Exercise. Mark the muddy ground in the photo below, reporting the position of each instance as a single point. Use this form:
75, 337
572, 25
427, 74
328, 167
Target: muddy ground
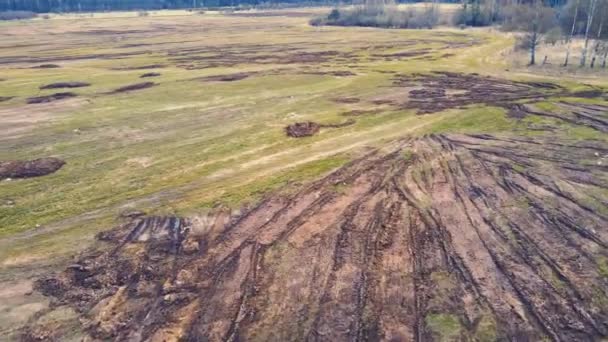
445, 237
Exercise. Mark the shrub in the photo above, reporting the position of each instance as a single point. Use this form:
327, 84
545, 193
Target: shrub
380, 16
142, 14
17, 15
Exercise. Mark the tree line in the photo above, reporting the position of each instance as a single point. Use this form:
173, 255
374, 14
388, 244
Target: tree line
46, 6
549, 22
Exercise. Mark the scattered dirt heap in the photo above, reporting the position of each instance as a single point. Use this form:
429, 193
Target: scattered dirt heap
132, 87
150, 74
50, 98
448, 237
439, 91
308, 128
227, 78
141, 67
46, 66
29, 168
302, 129
65, 85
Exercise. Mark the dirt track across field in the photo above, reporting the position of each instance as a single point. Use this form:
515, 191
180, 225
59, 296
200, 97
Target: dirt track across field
447, 236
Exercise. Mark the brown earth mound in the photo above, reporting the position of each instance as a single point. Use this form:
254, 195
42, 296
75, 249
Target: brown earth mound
448, 237
50, 98
65, 85
302, 129
141, 67
150, 74
29, 168
132, 87
46, 66
226, 78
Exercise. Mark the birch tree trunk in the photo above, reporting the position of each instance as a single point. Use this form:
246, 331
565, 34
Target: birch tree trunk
590, 16
597, 44
569, 42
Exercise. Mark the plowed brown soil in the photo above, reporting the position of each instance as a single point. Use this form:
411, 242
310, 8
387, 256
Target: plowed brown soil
446, 237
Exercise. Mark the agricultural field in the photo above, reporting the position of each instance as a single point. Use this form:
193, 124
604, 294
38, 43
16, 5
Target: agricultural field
223, 176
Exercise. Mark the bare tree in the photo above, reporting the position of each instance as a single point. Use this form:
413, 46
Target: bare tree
597, 43
569, 41
590, 15
536, 21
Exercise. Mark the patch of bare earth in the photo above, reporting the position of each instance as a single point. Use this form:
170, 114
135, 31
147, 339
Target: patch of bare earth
309, 128
508, 236
438, 91
29, 168
50, 98
72, 84
133, 87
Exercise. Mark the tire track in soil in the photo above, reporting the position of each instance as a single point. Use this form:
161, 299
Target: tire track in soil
476, 229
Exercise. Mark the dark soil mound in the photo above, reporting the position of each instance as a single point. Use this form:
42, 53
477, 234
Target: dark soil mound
133, 87
141, 67
226, 78
65, 85
50, 98
6, 98
30, 168
447, 237
302, 129
150, 74
46, 66
516, 111
427, 93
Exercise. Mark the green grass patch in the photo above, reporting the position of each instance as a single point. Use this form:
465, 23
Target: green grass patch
446, 327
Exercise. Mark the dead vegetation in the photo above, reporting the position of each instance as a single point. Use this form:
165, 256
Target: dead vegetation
73, 84
50, 98
29, 168
502, 238
133, 87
